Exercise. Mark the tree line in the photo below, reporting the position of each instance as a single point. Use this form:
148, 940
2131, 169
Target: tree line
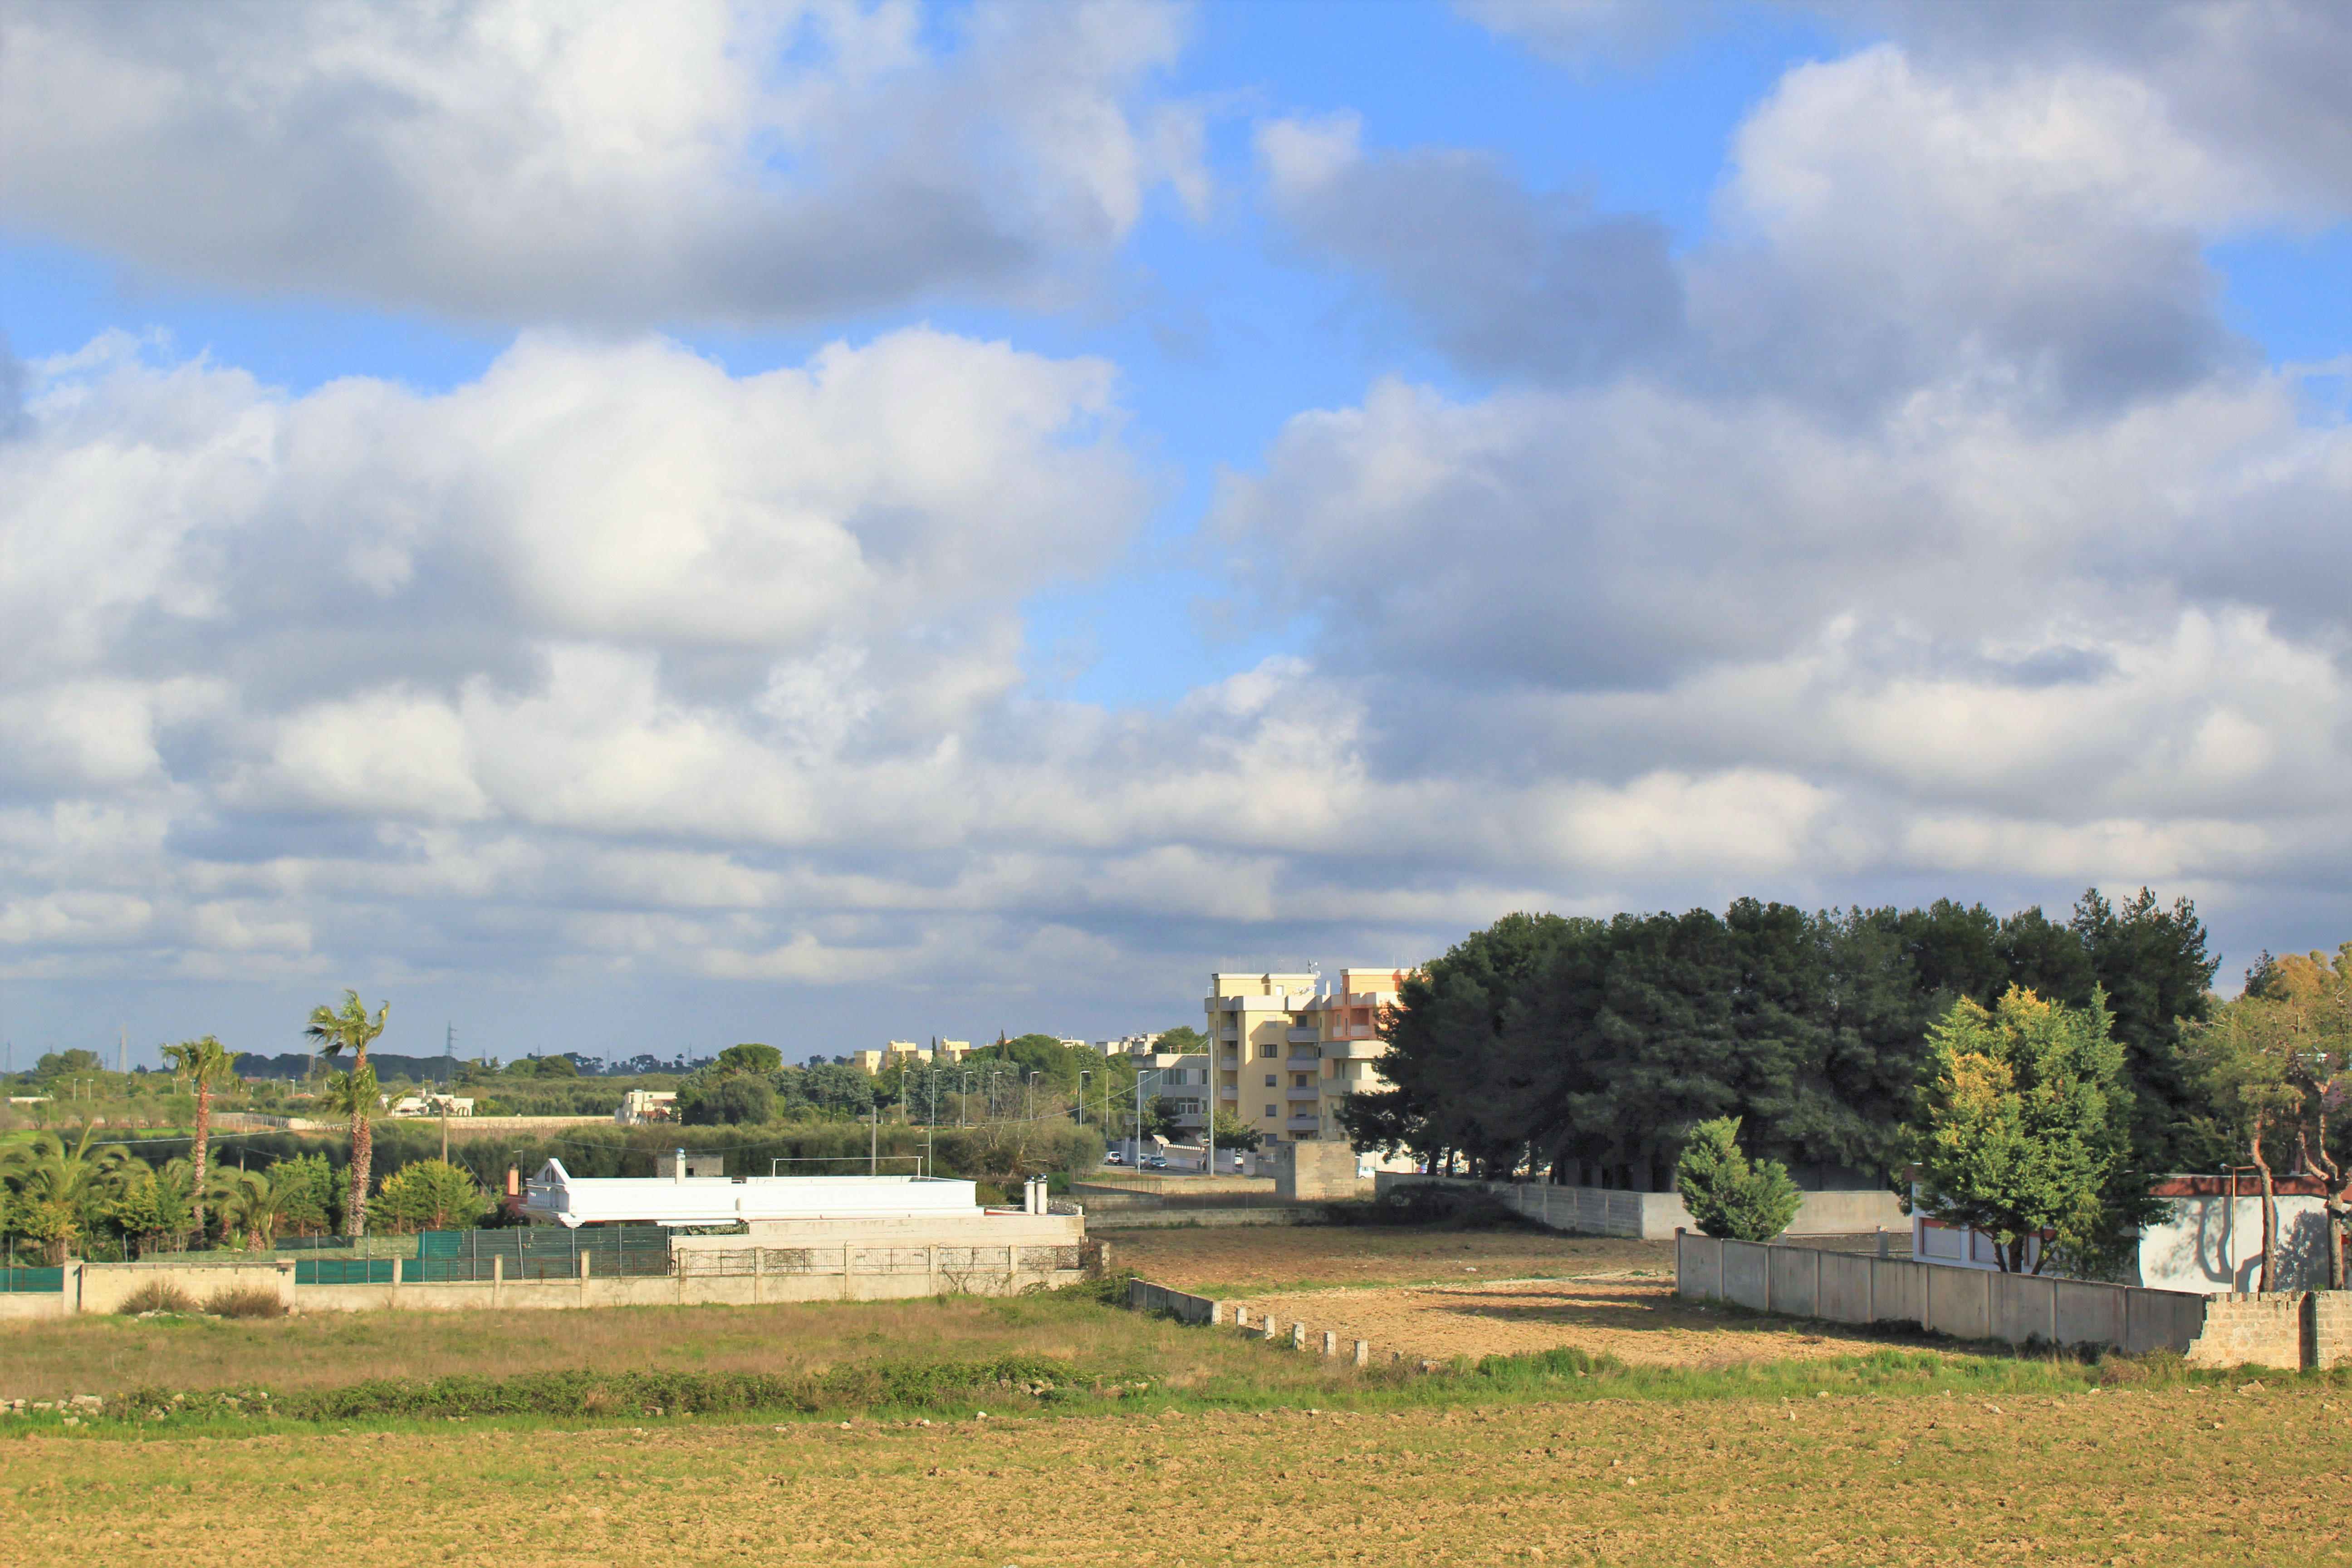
1587, 1050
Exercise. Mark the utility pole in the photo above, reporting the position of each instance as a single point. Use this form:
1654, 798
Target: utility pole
1216, 1092
874, 1139
1138, 1145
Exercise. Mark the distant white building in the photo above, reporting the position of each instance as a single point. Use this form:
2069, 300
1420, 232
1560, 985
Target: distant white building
1125, 1046
640, 1106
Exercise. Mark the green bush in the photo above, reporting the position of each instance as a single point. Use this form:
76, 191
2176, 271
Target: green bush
1729, 1196
429, 1194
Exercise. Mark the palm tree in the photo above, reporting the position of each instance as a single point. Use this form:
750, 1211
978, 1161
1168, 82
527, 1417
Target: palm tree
355, 1094
205, 1061
250, 1202
63, 1186
349, 1028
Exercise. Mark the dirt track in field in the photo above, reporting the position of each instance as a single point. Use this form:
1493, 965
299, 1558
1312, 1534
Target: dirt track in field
2181, 1477
1639, 1321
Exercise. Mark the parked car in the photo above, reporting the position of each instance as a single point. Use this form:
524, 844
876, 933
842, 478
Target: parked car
1114, 1158
1155, 1162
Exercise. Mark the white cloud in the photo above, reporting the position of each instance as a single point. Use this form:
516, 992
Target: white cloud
630, 164
1943, 539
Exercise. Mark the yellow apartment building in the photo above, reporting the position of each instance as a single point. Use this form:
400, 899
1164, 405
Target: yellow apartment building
1289, 1047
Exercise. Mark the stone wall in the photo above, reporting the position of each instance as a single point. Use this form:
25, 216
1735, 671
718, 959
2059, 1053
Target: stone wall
2289, 1329
1315, 1172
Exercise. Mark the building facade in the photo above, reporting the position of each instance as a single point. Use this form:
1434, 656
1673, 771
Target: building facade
1291, 1047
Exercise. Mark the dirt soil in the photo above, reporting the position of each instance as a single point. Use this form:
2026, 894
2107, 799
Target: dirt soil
2188, 1476
1639, 1321
1275, 1258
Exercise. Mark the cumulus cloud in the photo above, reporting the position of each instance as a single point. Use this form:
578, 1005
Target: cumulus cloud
1884, 229
1504, 280
1919, 530
628, 164
2018, 194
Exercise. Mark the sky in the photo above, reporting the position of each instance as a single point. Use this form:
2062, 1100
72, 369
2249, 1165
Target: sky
632, 528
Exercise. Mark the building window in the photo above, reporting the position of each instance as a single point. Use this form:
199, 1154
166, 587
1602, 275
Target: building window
1269, 1080
1265, 1050
1271, 1113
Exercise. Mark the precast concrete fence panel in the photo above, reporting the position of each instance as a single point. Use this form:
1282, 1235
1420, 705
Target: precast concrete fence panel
1845, 1295
1966, 1303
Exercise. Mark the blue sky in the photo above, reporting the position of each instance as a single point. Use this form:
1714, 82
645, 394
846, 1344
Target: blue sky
1165, 484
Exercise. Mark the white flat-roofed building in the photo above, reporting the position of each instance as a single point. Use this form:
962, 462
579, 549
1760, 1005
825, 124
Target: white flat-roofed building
813, 1237
557, 1196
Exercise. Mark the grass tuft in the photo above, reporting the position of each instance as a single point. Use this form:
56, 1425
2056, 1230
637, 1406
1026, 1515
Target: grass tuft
157, 1296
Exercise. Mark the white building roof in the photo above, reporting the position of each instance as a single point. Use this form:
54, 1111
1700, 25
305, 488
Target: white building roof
555, 1194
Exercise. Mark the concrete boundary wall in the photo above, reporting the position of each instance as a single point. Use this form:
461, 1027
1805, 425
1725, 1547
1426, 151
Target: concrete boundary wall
1966, 1303
870, 1274
1207, 1219
1655, 1216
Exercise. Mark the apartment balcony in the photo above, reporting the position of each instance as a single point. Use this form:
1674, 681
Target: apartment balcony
1311, 1091
1355, 1050
1227, 1091
1297, 1056
1303, 1125
1228, 1032
1302, 1033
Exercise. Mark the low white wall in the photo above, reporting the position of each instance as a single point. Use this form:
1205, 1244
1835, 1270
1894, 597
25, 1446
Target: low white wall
1656, 1216
785, 1260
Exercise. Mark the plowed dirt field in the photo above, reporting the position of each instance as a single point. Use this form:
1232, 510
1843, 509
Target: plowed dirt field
1639, 1321
2181, 1477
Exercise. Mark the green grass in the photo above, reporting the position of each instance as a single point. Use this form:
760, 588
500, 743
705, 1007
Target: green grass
1068, 1353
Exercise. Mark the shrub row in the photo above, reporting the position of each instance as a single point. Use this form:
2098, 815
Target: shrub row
901, 1383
